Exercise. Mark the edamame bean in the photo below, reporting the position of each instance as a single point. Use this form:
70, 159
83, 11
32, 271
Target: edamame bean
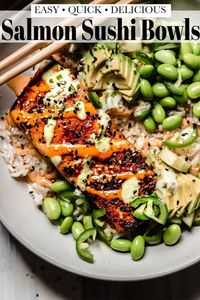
77, 228
52, 208
172, 234
137, 247
192, 61
196, 76
195, 48
186, 73
165, 56
168, 71
146, 71
146, 89
184, 49
66, 208
61, 186
172, 122
66, 225
181, 99
87, 222
158, 113
141, 110
193, 90
168, 102
121, 245
149, 124
196, 109
160, 90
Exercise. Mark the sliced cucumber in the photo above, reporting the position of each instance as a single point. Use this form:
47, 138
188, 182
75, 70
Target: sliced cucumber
173, 160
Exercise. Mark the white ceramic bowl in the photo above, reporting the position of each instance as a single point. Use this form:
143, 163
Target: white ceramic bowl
31, 227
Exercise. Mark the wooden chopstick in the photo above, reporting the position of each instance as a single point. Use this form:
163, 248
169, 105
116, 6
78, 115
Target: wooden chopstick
40, 55
20, 54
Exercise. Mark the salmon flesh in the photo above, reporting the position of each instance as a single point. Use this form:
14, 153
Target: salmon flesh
84, 144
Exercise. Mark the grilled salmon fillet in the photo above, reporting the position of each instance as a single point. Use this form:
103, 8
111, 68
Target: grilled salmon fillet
83, 144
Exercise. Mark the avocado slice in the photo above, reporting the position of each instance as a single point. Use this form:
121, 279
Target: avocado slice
184, 195
94, 60
119, 70
129, 93
126, 47
188, 219
112, 65
173, 160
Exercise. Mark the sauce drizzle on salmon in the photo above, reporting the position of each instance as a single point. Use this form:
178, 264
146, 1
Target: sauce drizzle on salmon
84, 144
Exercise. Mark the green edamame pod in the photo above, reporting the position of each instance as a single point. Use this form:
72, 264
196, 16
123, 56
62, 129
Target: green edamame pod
66, 225
192, 61
172, 122
158, 113
66, 208
196, 76
193, 90
172, 234
52, 208
137, 247
168, 102
146, 89
160, 90
186, 73
196, 109
61, 186
77, 228
146, 71
121, 245
168, 71
165, 56
149, 124
141, 110
87, 222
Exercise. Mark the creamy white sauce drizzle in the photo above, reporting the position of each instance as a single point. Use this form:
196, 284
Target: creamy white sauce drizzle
81, 180
56, 160
166, 183
103, 144
49, 131
62, 85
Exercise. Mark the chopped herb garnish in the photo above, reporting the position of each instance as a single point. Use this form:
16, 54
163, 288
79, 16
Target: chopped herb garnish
59, 77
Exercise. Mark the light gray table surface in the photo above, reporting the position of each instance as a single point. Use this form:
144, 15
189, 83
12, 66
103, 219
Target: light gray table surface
24, 276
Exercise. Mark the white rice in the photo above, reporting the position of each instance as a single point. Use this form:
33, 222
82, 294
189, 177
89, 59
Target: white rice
20, 165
